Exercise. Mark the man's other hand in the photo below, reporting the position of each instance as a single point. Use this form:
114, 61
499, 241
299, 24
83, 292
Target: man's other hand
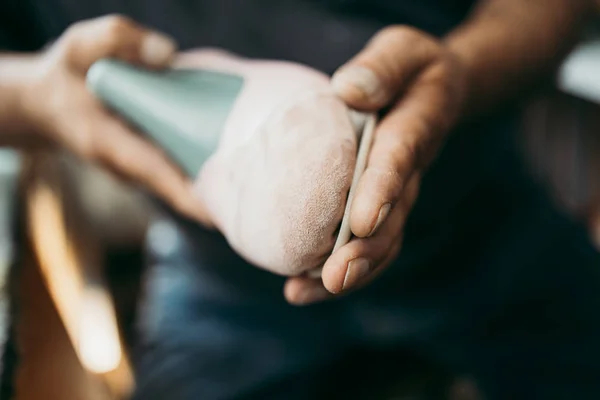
59, 108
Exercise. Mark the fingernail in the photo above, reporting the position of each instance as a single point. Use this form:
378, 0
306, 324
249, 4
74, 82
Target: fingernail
356, 271
383, 213
312, 295
357, 78
157, 49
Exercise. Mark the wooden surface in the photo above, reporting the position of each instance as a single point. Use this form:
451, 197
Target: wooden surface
61, 256
49, 367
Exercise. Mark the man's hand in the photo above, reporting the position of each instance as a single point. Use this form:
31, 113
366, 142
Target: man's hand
58, 108
501, 49
423, 85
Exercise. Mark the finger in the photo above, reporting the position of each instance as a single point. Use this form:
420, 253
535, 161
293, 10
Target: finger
375, 76
110, 142
143, 163
404, 144
302, 291
116, 36
391, 255
359, 258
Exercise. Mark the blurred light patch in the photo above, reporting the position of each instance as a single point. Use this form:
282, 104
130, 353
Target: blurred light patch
99, 343
86, 309
579, 74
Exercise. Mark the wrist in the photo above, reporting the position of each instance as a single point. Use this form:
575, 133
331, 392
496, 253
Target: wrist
459, 51
17, 73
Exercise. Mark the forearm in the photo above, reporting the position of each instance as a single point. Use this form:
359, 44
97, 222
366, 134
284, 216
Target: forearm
16, 70
509, 45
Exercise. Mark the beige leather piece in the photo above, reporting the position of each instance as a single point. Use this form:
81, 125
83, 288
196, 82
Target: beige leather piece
277, 185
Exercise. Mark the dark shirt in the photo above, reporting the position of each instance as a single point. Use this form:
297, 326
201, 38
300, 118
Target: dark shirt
320, 33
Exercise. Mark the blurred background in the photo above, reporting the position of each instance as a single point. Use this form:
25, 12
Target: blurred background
561, 139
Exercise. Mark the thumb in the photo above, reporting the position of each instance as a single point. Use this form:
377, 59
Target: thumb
374, 77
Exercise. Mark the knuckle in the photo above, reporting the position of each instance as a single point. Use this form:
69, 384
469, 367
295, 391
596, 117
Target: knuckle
410, 152
404, 31
120, 156
150, 167
181, 204
116, 23
106, 33
410, 36
395, 180
400, 34
388, 176
75, 29
354, 253
84, 144
115, 28
440, 74
128, 158
69, 39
